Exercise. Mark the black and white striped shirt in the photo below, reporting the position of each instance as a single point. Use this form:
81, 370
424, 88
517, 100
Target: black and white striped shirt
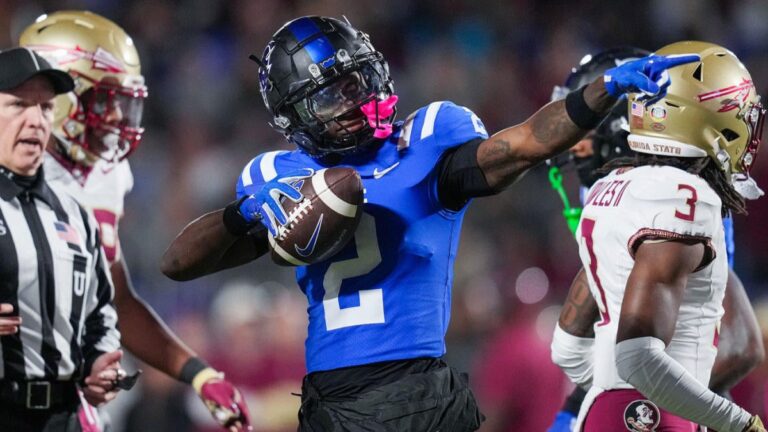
53, 271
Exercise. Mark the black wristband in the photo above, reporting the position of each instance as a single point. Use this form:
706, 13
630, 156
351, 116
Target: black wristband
192, 367
234, 221
579, 112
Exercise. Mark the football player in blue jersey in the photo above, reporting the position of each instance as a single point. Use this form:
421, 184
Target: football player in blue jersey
379, 309
740, 346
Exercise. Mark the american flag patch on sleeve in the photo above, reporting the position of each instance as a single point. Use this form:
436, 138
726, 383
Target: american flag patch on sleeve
637, 109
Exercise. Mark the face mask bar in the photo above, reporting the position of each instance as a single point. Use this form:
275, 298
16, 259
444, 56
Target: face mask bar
341, 101
338, 98
341, 97
754, 116
115, 112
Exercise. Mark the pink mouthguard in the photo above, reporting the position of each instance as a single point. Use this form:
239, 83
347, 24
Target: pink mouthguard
377, 110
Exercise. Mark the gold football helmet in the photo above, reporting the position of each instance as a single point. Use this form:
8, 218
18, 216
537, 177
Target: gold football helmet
711, 109
101, 118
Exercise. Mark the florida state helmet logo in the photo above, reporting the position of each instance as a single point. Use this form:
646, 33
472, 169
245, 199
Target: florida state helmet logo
642, 416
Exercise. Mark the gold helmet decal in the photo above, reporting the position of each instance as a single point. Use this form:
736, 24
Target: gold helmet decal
101, 118
711, 109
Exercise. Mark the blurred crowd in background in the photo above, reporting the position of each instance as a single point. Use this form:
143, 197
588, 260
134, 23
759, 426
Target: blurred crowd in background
205, 120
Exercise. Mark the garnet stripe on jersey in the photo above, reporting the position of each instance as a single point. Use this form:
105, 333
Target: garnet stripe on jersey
587, 228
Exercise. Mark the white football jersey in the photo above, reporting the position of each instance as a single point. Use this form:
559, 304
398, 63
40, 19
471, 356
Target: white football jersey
101, 190
653, 203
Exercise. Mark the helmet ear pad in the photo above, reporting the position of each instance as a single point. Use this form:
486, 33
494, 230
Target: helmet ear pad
301, 74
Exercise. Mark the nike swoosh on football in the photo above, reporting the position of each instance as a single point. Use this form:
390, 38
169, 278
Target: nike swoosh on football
379, 174
310, 247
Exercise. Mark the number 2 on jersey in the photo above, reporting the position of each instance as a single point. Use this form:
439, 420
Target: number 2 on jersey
587, 229
371, 307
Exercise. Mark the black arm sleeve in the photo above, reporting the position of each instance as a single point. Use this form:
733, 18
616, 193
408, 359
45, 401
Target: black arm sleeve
459, 176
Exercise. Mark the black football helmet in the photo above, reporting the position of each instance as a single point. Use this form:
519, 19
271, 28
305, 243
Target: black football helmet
327, 88
609, 140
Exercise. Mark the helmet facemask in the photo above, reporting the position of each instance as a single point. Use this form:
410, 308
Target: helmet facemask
349, 111
745, 185
108, 118
329, 90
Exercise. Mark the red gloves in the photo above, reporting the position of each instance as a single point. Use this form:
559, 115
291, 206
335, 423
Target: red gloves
223, 400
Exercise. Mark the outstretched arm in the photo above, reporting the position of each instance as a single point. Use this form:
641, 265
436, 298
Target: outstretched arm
509, 153
741, 344
559, 125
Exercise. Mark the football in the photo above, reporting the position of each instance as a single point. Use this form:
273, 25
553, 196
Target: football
323, 221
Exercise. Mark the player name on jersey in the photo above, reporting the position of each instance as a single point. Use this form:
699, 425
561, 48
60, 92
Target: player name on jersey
607, 193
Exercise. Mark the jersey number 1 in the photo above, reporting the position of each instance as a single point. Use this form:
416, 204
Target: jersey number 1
371, 307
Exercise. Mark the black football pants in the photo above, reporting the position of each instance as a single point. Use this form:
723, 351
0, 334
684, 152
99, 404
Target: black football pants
435, 401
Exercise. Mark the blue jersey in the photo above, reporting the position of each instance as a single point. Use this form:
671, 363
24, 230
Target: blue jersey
387, 294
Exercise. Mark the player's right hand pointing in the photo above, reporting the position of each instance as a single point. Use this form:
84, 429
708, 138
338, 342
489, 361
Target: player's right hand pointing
647, 75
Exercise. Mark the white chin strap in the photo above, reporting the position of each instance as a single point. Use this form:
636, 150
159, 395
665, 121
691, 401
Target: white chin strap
746, 186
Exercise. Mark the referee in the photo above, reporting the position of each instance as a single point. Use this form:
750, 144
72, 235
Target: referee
57, 323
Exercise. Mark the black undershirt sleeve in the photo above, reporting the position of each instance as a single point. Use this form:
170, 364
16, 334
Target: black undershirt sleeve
460, 177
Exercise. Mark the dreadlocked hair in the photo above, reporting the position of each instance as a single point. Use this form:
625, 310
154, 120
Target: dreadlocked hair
703, 167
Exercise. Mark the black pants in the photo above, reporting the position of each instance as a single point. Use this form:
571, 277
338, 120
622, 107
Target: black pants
58, 401
61, 419
438, 399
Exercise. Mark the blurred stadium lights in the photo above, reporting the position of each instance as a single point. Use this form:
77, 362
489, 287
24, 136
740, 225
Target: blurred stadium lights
532, 285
